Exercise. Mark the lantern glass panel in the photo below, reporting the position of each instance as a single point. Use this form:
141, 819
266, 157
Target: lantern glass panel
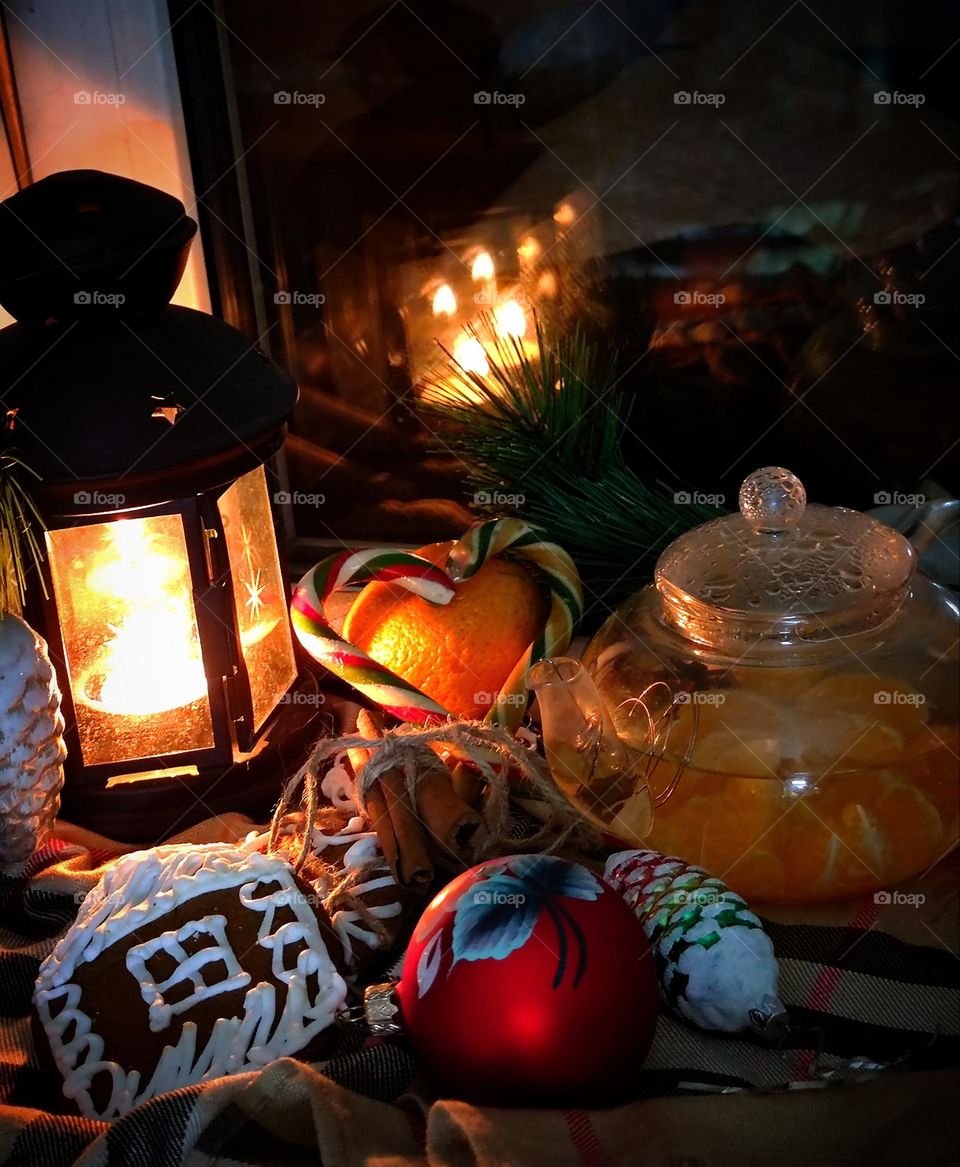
125, 604
258, 592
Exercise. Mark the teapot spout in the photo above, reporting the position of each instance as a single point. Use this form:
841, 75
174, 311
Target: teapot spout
579, 738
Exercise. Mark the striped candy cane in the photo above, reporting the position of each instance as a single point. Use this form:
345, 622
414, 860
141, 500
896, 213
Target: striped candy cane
522, 541
465, 559
373, 680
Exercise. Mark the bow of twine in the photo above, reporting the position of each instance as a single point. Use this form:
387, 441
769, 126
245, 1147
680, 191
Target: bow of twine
407, 748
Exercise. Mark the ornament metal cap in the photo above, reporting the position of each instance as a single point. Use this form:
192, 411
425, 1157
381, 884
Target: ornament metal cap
770, 1019
382, 1010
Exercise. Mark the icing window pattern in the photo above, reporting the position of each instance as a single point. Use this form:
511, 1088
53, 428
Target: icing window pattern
190, 967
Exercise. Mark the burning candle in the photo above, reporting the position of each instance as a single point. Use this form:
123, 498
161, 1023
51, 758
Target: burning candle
151, 661
565, 215
444, 301
469, 353
483, 272
482, 268
547, 285
529, 251
510, 319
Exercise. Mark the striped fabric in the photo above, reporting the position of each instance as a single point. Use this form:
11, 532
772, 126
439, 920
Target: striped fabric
865, 983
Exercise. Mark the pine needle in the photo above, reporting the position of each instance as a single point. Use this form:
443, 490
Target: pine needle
20, 551
546, 431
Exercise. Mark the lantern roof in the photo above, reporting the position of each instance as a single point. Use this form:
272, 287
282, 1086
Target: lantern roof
104, 383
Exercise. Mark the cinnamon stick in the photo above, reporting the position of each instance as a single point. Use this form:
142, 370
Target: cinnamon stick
467, 783
454, 829
414, 869
392, 816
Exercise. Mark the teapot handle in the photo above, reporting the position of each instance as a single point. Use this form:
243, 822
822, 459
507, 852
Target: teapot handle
928, 522
933, 528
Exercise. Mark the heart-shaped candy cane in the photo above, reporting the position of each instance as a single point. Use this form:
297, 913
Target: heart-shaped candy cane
466, 557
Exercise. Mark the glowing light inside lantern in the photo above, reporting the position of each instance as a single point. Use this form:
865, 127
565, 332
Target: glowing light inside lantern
565, 215
510, 319
151, 661
444, 301
468, 353
482, 268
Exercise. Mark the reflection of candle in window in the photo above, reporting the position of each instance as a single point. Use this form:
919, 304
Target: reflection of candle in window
468, 353
528, 252
510, 319
482, 272
482, 268
547, 285
444, 301
565, 215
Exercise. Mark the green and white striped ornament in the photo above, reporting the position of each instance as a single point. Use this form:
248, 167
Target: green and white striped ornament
715, 963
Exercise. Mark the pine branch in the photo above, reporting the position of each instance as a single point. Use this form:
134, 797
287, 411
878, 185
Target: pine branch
20, 550
547, 430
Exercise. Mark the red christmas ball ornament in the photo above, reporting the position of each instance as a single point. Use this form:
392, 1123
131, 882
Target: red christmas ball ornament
529, 981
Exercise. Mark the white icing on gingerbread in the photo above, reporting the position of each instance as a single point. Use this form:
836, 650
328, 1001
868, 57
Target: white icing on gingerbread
337, 785
145, 886
363, 854
188, 968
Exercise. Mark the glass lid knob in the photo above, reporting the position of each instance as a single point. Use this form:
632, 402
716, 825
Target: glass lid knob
772, 500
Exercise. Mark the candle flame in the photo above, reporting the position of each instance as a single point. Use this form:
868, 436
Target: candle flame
547, 285
529, 251
469, 354
482, 268
152, 661
510, 319
565, 215
444, 301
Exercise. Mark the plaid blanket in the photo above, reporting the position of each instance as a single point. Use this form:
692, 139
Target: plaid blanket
869, 985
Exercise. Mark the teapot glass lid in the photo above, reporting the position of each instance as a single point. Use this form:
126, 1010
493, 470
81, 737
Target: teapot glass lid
799, 570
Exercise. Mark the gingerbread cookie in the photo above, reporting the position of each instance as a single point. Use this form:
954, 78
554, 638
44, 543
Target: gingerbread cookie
369, 912
186, 963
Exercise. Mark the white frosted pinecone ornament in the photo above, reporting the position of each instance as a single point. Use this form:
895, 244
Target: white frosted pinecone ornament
715, 963
31, 740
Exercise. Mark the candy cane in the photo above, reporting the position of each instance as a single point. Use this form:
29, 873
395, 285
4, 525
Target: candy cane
389, 691
494, 537
418, 575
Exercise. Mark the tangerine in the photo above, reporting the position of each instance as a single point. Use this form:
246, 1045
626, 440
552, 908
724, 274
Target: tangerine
460, 653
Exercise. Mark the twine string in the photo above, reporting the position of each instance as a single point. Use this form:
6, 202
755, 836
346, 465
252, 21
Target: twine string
408, 748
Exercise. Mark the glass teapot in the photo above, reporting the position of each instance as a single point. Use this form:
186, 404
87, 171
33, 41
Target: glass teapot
780, 706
